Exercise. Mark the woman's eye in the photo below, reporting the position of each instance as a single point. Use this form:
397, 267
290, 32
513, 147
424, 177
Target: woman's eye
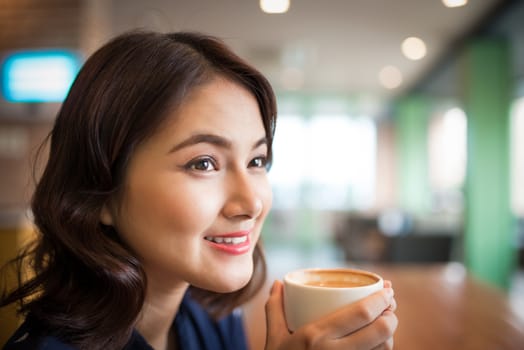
258, 162
202, 164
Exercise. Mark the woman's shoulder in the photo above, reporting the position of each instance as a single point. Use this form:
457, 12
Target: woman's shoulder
40, 343
196, 329
29, 336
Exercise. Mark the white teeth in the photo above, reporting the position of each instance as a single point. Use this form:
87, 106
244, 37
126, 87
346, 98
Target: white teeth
227, 240
237, 240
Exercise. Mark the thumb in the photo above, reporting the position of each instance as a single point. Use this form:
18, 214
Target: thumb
275, 318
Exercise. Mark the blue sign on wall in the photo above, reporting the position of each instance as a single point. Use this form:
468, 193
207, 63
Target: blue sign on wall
38, 76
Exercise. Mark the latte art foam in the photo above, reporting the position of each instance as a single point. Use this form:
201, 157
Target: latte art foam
335, 278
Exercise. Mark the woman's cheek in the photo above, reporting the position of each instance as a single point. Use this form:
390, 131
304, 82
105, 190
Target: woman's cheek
195, 205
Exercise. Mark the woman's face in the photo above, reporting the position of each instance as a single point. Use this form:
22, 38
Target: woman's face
196, 193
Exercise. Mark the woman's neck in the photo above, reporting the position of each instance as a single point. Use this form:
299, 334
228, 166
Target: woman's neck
157, 315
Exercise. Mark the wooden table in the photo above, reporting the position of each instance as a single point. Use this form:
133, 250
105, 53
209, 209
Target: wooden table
439, 307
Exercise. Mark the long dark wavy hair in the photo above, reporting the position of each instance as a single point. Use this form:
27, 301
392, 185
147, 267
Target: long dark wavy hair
86, 285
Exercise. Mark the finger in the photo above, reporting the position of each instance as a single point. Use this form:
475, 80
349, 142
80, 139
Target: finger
357, 315
388, 345
393, 305
388, 284
378, 334
275, 319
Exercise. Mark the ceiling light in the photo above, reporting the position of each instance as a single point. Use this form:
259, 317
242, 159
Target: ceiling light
390, 77
454, 3
274, 6
414, 48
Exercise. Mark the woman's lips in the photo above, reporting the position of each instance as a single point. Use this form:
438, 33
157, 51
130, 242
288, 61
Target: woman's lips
232, 243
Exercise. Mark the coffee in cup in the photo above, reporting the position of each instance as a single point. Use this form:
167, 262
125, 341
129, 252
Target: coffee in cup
312, 293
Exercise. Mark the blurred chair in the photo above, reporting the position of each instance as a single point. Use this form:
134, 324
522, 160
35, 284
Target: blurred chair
419, 248
362, 240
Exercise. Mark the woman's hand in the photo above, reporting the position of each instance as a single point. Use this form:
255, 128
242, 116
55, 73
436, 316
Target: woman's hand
365, 325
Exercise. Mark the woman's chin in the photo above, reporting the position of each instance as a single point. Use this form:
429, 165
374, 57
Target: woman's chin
230, 283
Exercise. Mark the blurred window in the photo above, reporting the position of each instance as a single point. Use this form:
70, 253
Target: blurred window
447, 145
447, 149
517, 157
324, 162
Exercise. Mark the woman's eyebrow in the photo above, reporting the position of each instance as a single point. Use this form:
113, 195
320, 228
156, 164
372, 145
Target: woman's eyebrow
202, 138
211, 139
262, 141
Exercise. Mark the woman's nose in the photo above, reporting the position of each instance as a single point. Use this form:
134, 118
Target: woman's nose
243, 196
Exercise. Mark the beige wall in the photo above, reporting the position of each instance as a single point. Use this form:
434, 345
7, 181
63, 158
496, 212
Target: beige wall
19, 141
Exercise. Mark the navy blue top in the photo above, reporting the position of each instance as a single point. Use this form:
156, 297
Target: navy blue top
194, 328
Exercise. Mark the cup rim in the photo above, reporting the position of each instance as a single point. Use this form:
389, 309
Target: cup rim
290, 280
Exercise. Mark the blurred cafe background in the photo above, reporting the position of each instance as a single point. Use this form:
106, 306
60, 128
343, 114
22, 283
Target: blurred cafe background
400, 138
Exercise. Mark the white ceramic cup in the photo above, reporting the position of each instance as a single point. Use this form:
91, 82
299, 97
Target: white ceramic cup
310, 294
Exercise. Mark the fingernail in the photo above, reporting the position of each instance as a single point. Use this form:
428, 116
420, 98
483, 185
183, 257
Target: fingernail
273, 286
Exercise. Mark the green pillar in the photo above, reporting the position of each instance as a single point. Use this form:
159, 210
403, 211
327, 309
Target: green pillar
489, 252
412, 115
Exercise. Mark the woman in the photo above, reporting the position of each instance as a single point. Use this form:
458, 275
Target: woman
150, 208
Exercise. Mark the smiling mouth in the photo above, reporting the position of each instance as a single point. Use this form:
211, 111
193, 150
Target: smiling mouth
233, 243
227, 240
